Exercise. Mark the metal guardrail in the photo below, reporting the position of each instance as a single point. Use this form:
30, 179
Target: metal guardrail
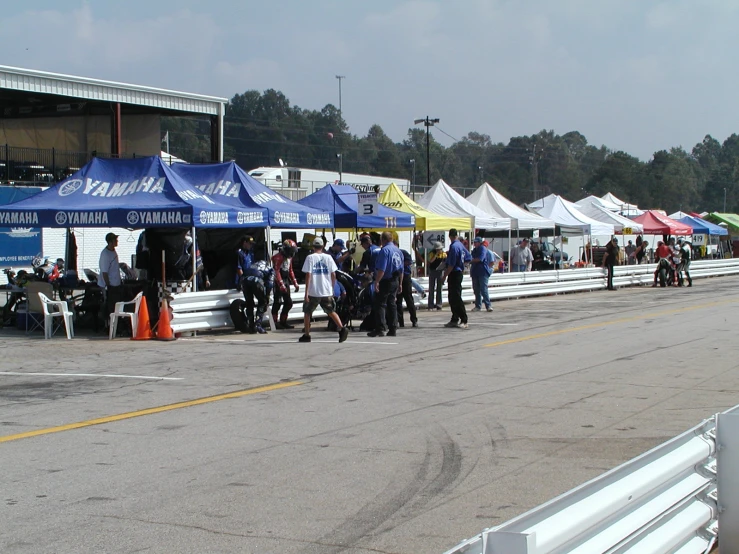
201, 311
662, 502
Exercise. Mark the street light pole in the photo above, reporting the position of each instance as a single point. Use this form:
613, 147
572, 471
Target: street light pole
428, 122
413, 178
341, 142
724, 199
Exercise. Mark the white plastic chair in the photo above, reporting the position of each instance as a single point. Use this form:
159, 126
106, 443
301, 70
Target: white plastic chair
120, 311
56, 308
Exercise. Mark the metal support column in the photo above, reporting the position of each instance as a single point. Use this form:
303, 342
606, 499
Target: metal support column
115, 131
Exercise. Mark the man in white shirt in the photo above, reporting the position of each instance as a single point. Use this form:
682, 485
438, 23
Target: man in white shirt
110, 274
319, 269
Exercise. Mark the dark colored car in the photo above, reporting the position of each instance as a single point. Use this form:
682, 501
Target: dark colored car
548, 256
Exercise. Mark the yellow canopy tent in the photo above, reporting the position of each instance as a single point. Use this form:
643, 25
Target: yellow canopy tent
426, 220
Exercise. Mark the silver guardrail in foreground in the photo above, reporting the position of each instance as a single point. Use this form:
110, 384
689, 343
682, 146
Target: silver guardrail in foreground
662, 502
208, 310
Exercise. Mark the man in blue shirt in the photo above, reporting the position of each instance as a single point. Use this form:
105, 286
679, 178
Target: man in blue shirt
406, 292
245, 257
388, 278
455, 260
480, 273
371, 251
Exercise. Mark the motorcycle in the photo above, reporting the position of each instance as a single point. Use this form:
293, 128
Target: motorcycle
664, 272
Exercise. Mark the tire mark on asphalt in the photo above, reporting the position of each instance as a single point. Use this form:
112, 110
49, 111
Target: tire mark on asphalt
392, 498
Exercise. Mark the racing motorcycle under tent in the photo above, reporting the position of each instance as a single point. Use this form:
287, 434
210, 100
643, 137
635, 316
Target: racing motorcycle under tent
132, 193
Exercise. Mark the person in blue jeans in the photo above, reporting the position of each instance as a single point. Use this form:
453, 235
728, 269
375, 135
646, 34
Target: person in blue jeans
480, 274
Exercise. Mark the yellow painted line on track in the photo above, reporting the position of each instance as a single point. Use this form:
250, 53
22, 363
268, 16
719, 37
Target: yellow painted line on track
149, 411
607, 323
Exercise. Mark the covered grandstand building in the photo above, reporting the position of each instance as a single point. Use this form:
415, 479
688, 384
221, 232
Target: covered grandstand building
52, 124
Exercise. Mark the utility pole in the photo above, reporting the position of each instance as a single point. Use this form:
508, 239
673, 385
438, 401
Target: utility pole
534, 173
724, 199
428, 122
341, 135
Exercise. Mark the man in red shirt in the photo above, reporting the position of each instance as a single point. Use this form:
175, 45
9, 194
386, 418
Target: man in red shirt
663, 251
284, 275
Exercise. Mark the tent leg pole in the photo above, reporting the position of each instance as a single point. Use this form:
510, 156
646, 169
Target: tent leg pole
509, 250
194, 260
267, 235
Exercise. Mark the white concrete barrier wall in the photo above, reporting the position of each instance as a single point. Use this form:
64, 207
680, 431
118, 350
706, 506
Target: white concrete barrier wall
209, 310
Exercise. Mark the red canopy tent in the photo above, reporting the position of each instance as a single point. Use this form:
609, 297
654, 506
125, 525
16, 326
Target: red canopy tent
657, 224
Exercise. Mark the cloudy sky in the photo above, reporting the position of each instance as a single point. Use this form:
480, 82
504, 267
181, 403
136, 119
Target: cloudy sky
635, 75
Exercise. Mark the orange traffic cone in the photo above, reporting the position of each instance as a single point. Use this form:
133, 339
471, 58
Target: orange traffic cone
164, 327
143, 330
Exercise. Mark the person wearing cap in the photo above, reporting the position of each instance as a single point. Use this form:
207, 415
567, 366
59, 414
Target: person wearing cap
609, 260
320, 277
388, 281
521, 257
245, 257
339, 253
437, 259
109, 278
480, 273
456, 257
406, 292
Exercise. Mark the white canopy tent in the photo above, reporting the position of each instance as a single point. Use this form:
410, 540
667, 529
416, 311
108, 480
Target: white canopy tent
571, 221
624, 208
492, 202
541, 203
170, 159
443, 199
678, 215
594, 200
618, 221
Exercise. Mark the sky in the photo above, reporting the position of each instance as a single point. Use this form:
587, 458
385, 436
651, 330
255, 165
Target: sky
634, 75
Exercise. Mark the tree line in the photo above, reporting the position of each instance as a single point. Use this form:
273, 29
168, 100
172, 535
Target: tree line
262, 128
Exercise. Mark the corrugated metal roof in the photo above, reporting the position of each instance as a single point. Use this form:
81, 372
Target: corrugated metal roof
43, 82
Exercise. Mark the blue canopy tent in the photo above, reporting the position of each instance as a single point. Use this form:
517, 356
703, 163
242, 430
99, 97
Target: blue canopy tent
135, 194
703, 227
132, 193
342, 202
231, 185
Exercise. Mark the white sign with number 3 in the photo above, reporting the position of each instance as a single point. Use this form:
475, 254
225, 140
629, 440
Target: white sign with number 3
367, 204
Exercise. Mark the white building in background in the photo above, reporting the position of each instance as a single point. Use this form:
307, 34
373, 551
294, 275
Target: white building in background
296, 182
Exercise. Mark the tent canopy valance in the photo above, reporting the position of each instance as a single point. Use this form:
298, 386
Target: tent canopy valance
703, 227
231, 185
426, 220
491, 201
342, 202
132, 193
443, 199
570, 220
655, 223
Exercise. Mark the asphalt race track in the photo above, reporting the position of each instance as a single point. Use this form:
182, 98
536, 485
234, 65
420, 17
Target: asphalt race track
232, 443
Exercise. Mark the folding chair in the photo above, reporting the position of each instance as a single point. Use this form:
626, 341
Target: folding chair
120, 311
56, 308
33, 308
